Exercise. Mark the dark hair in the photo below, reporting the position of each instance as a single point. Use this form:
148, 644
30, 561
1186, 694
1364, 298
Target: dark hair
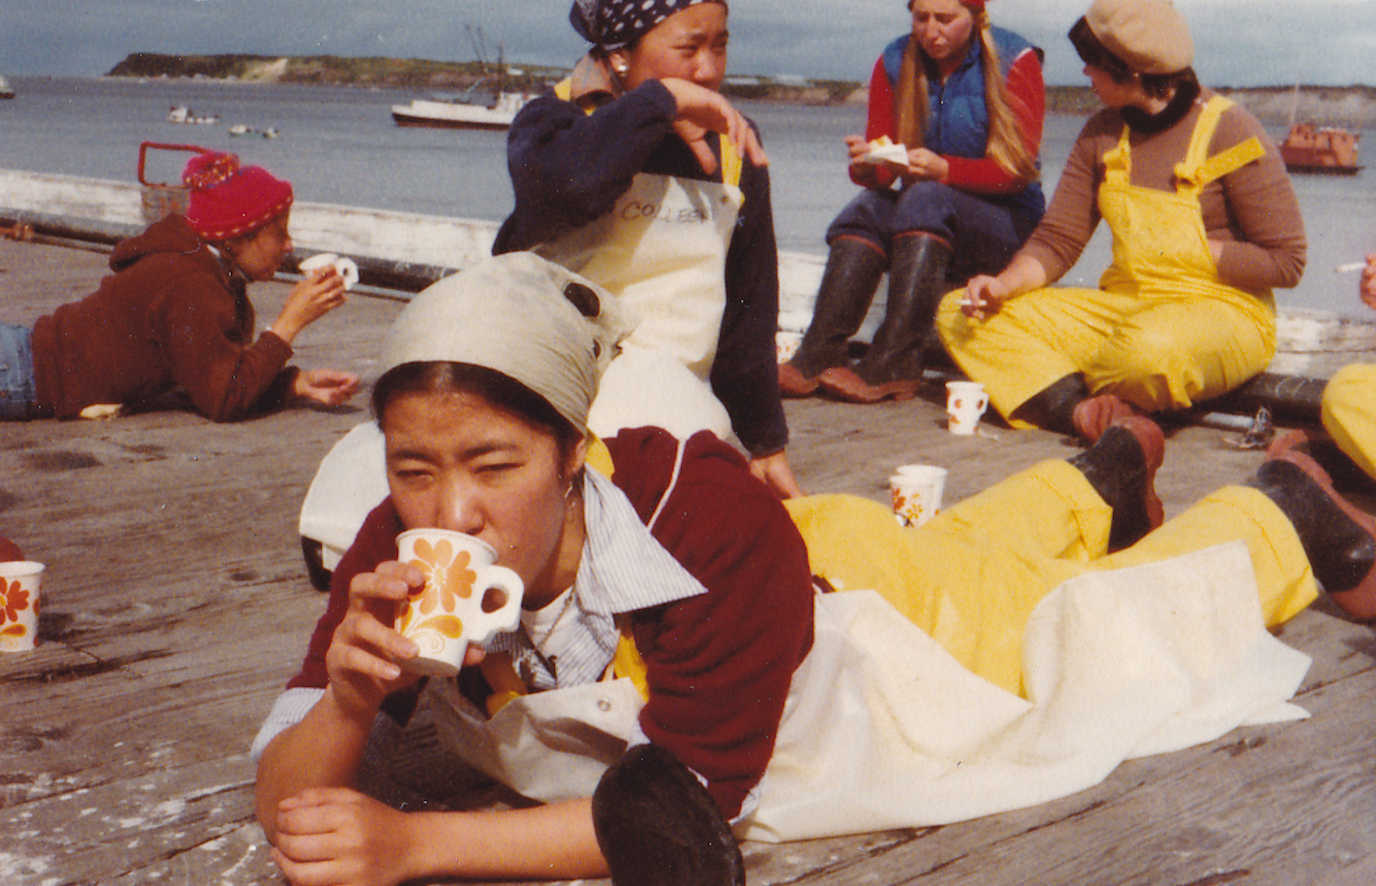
1093, 52
502, 391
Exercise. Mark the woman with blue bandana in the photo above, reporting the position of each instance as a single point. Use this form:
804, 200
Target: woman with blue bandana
636, 173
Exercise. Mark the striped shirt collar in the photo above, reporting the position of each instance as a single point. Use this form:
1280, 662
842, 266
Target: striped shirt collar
622, 569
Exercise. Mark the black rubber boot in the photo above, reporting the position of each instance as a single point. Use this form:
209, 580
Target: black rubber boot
1053, 407
1122, 467
656, 824
917, 281
1337, 538
843, 298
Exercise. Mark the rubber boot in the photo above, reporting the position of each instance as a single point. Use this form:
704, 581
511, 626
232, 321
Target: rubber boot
1338, 538
656, 824
1122, 467
853, 269
893, 365
1053, 407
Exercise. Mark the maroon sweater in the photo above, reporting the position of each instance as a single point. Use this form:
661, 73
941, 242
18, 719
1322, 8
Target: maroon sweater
170, 316
719, 665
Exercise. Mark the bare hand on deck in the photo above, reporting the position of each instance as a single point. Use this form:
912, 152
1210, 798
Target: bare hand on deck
339, 835
308, 301
328, 387
702, 110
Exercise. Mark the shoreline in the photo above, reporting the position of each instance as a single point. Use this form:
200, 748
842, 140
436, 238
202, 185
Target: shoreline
1352, 105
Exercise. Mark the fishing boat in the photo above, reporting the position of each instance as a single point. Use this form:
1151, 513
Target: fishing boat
461, 114
1310, 148
6, 91
464, 112
1328, 150
184, 115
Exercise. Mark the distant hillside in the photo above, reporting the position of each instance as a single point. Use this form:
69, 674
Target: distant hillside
1335, 105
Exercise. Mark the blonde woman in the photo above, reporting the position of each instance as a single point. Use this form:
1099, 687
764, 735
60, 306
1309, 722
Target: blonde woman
966, 100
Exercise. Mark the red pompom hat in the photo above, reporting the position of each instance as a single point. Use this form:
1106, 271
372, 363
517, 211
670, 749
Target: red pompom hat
228, 200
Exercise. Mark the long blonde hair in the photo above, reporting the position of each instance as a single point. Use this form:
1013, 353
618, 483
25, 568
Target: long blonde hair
1005, 145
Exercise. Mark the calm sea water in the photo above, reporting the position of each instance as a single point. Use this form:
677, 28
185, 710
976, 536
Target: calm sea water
339, 145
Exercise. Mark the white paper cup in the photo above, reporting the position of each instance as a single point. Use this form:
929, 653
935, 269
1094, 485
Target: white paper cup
965, 403
786, 344
19, 585
345, 267
915, 491
448, 612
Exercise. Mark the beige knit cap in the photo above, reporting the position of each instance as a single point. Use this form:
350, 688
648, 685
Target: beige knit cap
1150, 36
527, 318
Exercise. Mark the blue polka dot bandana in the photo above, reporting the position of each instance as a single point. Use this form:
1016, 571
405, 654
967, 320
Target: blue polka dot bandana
612, 24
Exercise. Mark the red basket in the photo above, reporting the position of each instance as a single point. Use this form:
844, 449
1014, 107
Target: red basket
162, 198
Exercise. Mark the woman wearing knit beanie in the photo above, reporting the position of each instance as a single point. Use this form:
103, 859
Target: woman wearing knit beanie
1204, 225
965, 99
175, 314
638, 174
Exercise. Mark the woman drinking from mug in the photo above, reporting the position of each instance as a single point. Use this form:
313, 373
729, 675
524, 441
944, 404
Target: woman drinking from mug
175, 314
670, 622
1204, 224
966, 99
639, 175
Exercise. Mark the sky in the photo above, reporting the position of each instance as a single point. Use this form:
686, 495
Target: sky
1237, 42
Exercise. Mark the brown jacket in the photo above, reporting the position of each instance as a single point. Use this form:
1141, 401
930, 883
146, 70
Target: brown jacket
172, 315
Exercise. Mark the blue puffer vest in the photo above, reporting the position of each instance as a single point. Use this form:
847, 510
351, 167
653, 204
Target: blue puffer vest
959, 121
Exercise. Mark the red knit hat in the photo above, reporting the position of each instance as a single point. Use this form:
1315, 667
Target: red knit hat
227, 199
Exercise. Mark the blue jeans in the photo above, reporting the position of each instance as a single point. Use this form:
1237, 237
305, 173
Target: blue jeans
16, 373
984, 232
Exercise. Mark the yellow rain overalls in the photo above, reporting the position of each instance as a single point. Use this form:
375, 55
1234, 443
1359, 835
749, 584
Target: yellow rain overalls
1161, 332
1349, 413
662, 251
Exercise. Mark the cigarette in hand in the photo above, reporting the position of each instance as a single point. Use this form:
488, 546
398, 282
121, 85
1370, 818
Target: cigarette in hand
1349, 267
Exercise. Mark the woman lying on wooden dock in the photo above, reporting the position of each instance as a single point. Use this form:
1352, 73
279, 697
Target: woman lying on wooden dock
676, 677
175, 314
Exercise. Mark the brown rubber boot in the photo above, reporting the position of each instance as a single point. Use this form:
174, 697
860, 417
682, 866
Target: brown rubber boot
853, 269
1122, 466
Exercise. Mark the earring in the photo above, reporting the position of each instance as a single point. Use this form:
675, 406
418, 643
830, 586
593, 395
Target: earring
620, 68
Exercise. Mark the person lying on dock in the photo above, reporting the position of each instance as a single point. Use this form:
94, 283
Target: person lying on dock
1204, 222
175, 314
670, 618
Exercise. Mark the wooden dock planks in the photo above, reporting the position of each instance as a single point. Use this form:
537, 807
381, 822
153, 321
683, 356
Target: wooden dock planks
176, 605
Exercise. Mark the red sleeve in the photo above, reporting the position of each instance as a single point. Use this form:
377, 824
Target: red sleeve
1027, 97
881, 121
719, 665
375, 543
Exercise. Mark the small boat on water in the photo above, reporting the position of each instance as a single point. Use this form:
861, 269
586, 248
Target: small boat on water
183, 114
458, 114
1328, 150
6, 91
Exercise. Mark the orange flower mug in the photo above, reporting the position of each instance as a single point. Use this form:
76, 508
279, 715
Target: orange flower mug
466, 597
19, 584
965, 403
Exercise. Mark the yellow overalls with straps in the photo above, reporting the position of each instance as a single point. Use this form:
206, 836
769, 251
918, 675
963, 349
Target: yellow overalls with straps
1162, 331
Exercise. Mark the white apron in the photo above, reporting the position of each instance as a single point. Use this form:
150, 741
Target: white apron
884, 729
662, 251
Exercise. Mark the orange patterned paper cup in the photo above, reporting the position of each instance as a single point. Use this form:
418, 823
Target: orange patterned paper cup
447, 613
19, 584
916, 493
